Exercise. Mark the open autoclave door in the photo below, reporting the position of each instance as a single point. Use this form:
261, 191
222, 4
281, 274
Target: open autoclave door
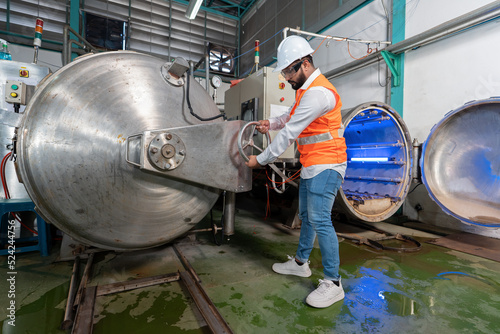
459, 164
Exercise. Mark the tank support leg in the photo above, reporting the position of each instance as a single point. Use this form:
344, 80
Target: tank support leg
229, 213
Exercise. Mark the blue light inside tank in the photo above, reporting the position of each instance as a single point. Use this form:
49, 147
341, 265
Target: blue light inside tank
377, 158
370, 159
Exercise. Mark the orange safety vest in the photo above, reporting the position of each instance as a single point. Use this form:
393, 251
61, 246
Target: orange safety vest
320, 143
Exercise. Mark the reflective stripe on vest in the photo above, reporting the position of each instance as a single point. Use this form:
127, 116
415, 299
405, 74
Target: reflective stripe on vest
319, 138
315, 139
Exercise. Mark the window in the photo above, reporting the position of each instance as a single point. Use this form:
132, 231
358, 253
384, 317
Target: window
105, 33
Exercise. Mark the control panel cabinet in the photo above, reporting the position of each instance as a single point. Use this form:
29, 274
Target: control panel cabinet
262, 95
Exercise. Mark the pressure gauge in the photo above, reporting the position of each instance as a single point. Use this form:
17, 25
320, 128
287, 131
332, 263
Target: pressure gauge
216, 81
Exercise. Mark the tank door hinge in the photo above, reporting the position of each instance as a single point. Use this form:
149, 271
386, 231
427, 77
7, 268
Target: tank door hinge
206, 154
417, 152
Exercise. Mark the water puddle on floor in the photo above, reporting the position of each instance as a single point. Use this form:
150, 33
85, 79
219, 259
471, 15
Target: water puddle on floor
430, 291
41, 316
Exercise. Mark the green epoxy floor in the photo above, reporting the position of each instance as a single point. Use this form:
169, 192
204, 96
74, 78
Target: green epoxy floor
436, 290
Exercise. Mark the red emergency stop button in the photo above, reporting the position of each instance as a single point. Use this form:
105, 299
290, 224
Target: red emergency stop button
24, 73
282, 85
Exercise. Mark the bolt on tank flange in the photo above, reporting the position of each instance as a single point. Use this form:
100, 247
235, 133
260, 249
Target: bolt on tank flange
166, 151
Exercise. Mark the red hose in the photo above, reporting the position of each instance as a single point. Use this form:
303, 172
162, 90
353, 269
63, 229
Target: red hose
2, 170
6, 190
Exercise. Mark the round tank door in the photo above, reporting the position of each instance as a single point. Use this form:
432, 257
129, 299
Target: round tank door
460, 163
379, 162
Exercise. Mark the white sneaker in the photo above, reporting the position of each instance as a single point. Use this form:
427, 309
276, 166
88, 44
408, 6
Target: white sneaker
292, 268
326, 294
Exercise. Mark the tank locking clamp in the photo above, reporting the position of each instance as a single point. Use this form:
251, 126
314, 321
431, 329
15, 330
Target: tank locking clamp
175, 72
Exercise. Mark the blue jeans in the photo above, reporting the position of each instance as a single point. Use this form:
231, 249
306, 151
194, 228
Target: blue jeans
316, 197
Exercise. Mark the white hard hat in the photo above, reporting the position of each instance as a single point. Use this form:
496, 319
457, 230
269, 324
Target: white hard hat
290, 49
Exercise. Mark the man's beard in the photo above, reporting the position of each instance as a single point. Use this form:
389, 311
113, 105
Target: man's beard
297, 83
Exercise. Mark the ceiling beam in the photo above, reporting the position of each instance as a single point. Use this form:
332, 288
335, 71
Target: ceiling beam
232, 4
247, 8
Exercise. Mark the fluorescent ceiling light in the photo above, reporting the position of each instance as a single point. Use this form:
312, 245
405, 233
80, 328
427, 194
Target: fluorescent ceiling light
193, 8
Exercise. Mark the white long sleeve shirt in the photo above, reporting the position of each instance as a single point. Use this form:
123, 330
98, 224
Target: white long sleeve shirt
315, 103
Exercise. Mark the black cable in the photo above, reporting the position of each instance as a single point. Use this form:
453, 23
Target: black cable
189, 103
414, 188
378, 77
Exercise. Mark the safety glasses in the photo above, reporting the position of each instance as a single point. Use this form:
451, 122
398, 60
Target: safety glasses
288, 72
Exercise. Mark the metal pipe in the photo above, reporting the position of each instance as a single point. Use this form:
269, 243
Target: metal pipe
169, 29
35, 57
139, 283
285, 32
478, 16
239, 48
67, 42
74, 41
14, 35
83, 282
206, 230
335, 38
201, 61
375, 179
69, 314
377, 145
389, 162
229, 212
283, 185
388, 74
207, 70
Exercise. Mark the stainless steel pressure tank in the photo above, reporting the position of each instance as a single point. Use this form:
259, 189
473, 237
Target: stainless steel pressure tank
71, 151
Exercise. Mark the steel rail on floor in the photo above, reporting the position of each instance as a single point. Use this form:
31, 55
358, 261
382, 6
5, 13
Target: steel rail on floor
377, 243
86, 297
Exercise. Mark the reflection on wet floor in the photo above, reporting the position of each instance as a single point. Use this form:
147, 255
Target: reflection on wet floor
435, 290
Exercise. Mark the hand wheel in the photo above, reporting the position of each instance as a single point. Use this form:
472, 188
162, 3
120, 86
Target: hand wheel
243, 143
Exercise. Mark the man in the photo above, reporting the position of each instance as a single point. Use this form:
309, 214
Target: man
316, 122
